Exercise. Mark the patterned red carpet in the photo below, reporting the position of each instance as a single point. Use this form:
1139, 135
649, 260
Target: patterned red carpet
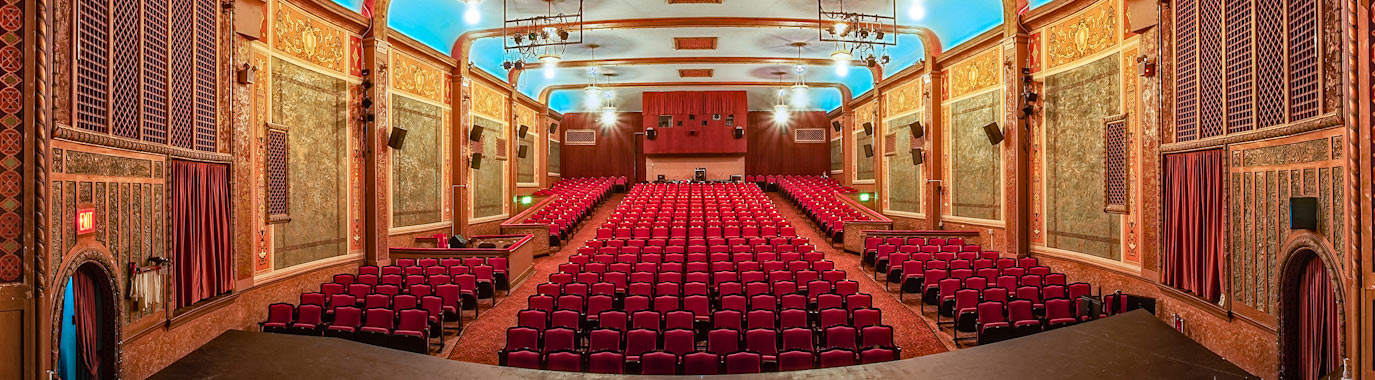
483, 337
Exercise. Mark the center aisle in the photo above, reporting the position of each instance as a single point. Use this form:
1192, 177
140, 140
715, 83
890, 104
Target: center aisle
483, 337
909, 330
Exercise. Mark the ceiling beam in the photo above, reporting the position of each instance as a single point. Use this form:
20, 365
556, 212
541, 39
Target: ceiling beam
514, 75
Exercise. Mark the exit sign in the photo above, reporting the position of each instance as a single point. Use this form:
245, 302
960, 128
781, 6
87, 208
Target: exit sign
85, 221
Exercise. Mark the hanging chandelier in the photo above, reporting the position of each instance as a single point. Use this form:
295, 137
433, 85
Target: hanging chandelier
798, 97
543, 38
780, 106
857, 35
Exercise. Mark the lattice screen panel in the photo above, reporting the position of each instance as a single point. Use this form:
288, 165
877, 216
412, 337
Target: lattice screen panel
124, 58
809, 135
1211, 117
1186, 84
182, 78
1115, 164
1270, 108
1303, 59
501, 149
155, 71
278, 183
205, 75
1241, 115
580, 137
890, 144
92, 65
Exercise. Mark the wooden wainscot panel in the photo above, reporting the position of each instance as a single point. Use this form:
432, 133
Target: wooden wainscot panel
542, 244
969, 236
520, 253
852, 237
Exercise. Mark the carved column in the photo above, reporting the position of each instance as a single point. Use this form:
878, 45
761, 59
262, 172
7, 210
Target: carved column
458, 149
1016, 143
377, 217
935, 157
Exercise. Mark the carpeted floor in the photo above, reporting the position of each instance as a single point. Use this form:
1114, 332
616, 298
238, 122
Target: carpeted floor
483, 337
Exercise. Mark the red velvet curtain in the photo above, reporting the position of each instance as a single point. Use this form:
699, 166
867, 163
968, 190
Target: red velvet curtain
200, 231
1318, 328
1194, 223
87, 313
699, 132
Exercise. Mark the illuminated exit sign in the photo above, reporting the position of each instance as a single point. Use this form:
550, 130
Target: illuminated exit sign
85, 221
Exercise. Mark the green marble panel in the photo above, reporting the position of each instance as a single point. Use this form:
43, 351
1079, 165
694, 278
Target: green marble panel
417, 170
904, 178
1076, 103
554, 157
864, 166
525, 167
489, 186
312, 105
837, 154
975, 165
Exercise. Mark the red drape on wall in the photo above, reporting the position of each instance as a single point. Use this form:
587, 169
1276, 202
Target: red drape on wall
200, 231
773, 150
87, 313
1318, 328
613, 156
692, 108
1194, 223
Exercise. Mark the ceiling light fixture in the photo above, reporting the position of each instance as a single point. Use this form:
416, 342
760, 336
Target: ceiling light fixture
918, 10
472, 15
856, 34
544, 37
780, 115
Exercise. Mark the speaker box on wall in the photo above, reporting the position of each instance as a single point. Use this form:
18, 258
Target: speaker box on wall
522, 131
1141, 14
995, 134
553, 127
475, 134
1303, 213
917, 156
917, 130
835, 125
651, 133
522, 151
868, 150
740, 132
397, 138
476, 161
869, 129
692, 117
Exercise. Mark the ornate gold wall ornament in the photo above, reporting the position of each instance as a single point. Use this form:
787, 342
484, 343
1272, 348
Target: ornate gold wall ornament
305, 37
975, 74
410, 75
489, 102
903, 99
1089, 32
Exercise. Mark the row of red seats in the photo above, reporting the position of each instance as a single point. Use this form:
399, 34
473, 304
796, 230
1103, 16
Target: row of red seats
696, 363
574, 199
816, 197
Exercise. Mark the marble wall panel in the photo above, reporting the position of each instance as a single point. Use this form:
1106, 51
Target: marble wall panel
975, 164
905, 181
312, 106
417, 169
489, 187
1076, 103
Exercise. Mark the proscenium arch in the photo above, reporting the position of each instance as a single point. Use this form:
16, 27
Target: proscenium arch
845, 95
931, 44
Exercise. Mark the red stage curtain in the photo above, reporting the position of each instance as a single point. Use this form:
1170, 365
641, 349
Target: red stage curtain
1318, 329
699, 133
200, 231
87, 313
1194, 217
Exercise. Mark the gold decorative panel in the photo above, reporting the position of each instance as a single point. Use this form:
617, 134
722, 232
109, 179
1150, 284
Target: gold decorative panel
1081, 35
489, 102
411, 75
905, 98
975, 74
303, 36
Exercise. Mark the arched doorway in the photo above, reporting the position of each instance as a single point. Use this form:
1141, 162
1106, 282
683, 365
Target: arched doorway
87, 328
1311, 321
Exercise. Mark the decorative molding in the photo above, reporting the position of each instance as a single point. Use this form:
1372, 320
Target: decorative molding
1084, 34
411, 75
977, 73
903, 99
76, 135
79, 162
489, 102
13, 93
1256, 135
303, 36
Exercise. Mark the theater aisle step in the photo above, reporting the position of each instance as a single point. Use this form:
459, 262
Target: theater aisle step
911, 331
486, 335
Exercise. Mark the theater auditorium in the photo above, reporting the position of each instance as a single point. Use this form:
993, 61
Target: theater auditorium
744, 189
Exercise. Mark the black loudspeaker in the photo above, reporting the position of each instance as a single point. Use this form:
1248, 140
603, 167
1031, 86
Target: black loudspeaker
522, 130
553, 127
995, 134
869, 129
835, 125
476, 161
1303, 213
651, 133
397, 138
917, 130
457, 241
692, 117
917, 156
868, 150
520, 153
475, 134
739, 132
1090, 307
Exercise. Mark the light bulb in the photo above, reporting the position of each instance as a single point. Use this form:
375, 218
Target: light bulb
593, 96
608, 116
780, 114
840, 28
548, 71
799, 96
472, 15
917, 12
